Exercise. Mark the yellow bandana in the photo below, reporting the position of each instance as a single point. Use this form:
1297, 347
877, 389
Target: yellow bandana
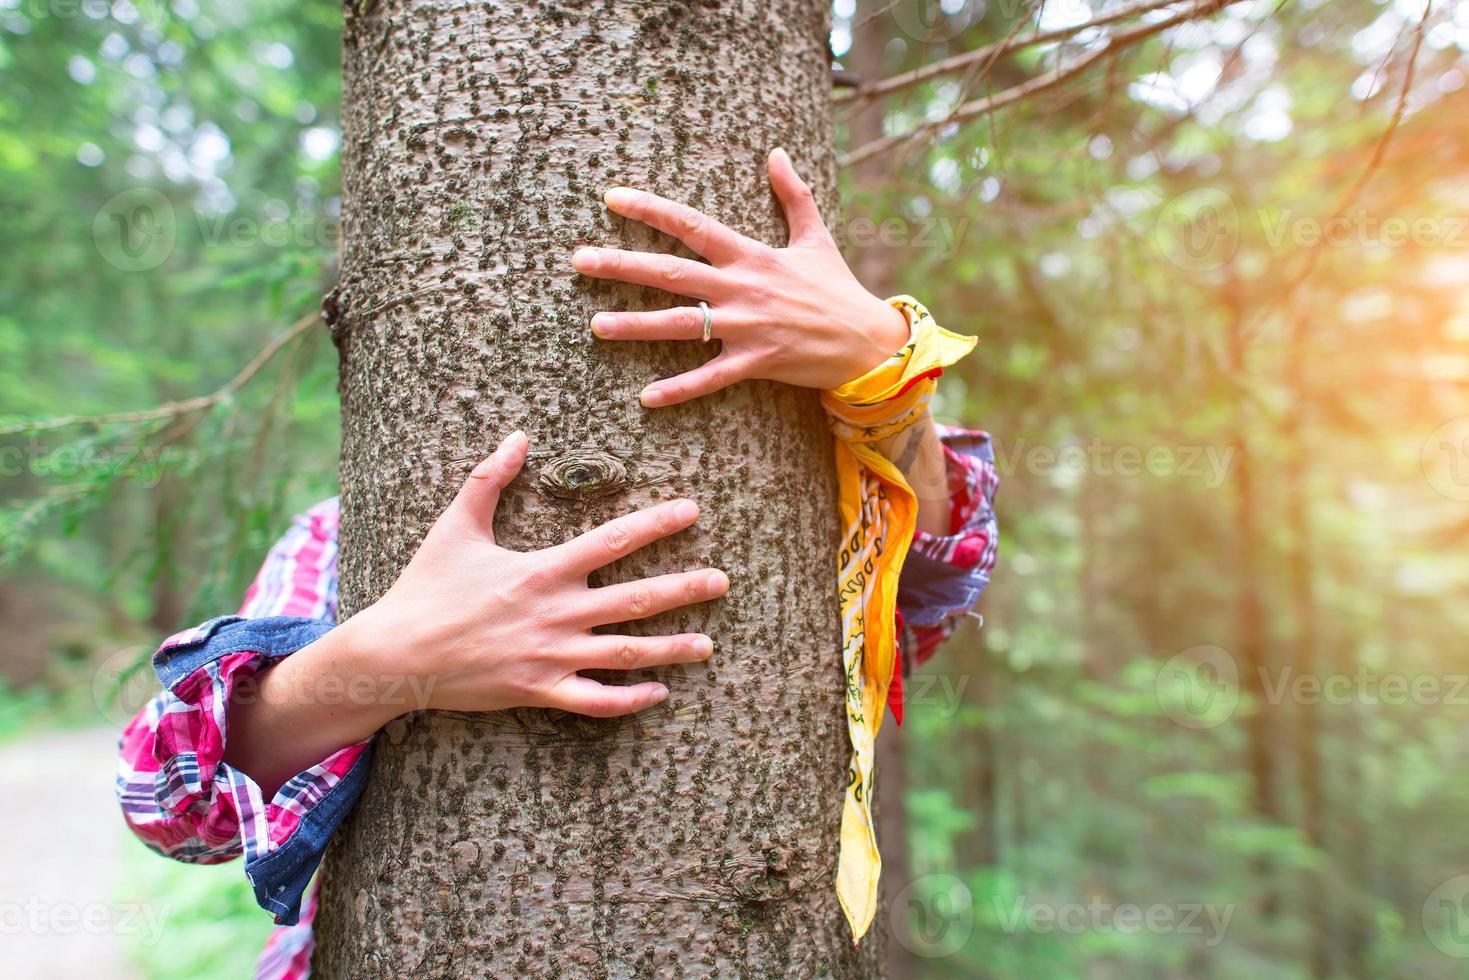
879, 513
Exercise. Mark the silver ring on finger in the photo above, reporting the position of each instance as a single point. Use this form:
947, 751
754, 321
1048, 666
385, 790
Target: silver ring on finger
708, 322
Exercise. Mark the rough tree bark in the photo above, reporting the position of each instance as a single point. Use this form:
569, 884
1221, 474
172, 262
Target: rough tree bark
699, 838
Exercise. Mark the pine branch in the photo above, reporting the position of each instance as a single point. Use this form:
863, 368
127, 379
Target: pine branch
187, 406
1041, 83
996, 50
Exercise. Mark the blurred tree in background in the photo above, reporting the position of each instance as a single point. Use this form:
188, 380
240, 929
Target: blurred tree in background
1212, 726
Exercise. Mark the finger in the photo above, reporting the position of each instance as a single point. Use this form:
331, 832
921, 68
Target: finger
477, 499
651, 596
662, 271
715, 241
707, 378
584, 696
678, 323
605, 652
802, 214
623, 535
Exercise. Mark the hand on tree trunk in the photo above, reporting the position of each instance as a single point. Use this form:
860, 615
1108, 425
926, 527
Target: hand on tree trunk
477, 627
795, 314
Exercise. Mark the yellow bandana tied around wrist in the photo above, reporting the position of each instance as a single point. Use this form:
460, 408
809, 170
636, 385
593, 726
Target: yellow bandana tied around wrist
879, 514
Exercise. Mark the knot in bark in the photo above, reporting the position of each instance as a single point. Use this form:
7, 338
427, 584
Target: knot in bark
762, 877
583, 473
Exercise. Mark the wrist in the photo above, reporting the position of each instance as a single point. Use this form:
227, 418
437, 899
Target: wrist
346, 681
885, 330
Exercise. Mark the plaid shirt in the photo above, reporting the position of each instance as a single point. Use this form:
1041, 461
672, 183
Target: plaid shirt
182, 800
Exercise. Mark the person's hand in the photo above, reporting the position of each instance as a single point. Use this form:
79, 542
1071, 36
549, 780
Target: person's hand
492, 628
793, 314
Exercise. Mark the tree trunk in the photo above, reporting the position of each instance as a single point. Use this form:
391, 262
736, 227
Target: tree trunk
698, 838
1314, 805
1251, 642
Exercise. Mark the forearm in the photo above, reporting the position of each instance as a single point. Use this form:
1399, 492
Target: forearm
298, 712
919, 453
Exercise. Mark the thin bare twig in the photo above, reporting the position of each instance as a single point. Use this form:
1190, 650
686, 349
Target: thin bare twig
1041, 83
1349, 197
186, 406
996, 50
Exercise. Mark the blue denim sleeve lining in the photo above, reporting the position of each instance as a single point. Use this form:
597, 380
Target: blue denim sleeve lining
279, 877
930, 590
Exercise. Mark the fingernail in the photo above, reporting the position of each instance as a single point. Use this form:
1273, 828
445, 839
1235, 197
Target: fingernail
651, 397
718, 582
686, 510
780, 150
703, 646
483, 467
583, 258
616, 196
659, 694
601, 323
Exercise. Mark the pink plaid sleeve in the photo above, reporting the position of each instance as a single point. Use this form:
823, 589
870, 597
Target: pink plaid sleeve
177, 794
299, 576
952, 570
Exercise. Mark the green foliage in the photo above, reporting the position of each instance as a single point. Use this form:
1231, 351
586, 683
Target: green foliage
1097, 753
211, 927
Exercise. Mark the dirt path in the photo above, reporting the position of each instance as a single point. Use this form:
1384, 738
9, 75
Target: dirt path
59, 912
